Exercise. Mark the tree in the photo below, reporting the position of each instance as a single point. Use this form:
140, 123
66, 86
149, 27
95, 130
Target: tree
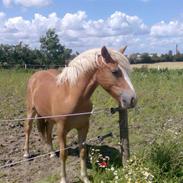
133, 58
145, 58
155, 58
22, 54
54, 52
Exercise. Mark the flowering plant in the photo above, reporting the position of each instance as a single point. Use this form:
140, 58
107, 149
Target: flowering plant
136, 172
97, 159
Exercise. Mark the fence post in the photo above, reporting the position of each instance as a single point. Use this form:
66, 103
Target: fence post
124, 137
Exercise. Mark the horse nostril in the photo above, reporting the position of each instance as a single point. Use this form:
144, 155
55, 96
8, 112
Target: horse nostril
132, 101
124, 101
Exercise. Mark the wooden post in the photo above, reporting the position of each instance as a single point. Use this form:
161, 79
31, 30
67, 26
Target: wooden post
124, 137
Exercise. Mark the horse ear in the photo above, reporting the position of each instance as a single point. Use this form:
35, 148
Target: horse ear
122, 50
105, 54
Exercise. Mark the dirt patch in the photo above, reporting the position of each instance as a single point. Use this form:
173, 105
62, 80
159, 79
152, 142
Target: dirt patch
11, 150
40, 169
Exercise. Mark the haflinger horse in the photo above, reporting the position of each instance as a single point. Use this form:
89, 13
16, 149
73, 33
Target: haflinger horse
51, 93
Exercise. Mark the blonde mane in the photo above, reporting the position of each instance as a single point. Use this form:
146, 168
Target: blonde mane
86, 62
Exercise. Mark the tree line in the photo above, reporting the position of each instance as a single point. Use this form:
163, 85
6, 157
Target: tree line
50, 53
154, 58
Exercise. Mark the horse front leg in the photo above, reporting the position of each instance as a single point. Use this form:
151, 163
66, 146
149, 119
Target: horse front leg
82, 134
63, 152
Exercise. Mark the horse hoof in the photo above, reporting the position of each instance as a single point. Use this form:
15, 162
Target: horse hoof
85, 180
52, 155
26, 155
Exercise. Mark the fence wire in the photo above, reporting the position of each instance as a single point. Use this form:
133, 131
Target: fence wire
74, 145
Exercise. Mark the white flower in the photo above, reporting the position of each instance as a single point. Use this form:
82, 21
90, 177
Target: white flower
115, 172
112, 168
146, 174
126, 176
107, 157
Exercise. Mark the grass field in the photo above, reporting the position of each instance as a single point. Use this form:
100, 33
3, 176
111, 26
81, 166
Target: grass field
156, 138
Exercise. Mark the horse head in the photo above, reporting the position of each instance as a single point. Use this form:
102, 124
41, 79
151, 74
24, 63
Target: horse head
113, 76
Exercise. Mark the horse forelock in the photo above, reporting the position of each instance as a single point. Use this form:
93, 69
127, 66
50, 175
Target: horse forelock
122, 61
86, 62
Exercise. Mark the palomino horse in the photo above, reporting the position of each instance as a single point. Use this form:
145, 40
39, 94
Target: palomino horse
51, 93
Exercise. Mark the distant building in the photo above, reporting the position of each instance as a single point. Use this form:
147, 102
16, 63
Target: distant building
177, 50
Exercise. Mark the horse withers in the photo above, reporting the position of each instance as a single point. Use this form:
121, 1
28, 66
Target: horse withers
51, 93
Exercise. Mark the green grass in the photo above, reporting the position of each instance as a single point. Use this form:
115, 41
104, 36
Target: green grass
157, 144
159, 114
12, 92
50, 179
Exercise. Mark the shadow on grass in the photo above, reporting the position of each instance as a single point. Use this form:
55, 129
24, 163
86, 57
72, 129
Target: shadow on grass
113, 153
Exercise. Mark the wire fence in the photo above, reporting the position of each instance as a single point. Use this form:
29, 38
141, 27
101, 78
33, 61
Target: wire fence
32, 66
98, 139
107, 111
75, 145
97, 111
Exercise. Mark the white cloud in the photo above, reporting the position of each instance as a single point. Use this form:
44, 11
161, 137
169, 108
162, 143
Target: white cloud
27, 3
31, 3
2, 19
16, 24
2, 15
18, 29
76, 31
74, 21
171, 29
125, 24
7, 2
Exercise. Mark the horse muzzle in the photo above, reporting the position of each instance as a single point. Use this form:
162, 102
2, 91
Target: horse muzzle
128, 100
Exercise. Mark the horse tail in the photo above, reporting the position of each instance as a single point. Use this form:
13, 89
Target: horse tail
41, 126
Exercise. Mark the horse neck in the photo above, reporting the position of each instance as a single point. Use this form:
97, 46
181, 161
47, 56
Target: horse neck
85, 87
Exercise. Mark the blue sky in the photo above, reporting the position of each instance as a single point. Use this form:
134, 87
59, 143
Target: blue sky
144, 25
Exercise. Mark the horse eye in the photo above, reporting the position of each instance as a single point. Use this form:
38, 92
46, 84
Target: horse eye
116, 72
